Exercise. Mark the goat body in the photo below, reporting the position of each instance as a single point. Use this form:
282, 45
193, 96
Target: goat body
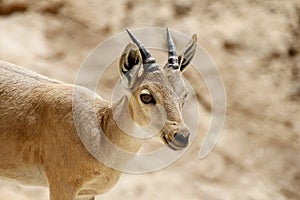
39, 142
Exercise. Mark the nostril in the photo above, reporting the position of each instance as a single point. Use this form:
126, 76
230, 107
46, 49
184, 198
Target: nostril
183, 139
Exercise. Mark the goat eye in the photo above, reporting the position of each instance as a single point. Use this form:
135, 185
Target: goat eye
147, 99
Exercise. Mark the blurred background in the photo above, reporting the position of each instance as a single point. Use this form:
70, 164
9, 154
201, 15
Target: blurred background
254, 43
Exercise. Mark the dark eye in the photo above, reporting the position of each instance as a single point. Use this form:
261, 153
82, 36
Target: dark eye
147, 99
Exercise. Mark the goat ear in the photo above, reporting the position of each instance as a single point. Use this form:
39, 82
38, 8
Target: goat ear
130, 64
187, 53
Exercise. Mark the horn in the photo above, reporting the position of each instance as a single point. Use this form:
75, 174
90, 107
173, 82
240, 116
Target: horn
172, 57
147, 58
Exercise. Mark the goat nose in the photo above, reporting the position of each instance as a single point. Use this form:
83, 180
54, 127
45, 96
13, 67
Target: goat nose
182, 138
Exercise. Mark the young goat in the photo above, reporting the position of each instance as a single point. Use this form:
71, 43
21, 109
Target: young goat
39, 143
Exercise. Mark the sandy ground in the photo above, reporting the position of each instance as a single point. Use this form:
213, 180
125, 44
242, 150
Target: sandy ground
256, 46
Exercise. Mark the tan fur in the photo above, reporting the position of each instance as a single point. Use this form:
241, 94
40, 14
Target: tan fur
39, 143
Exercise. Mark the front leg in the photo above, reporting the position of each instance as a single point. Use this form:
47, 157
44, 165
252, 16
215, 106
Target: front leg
62, 191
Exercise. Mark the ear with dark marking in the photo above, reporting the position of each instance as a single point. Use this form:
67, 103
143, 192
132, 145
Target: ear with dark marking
130, 64
187, 53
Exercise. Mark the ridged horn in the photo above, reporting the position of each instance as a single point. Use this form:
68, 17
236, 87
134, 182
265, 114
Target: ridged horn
172, 54
147, 58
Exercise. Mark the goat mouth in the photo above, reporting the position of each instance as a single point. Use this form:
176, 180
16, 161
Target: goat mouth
171, 144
